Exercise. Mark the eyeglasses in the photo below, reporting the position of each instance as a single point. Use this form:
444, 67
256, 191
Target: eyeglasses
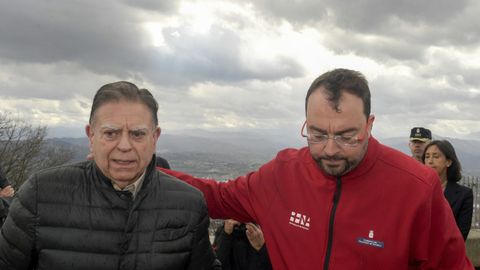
321, 139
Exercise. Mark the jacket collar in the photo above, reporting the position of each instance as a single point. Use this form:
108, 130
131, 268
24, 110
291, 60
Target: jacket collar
450, 191
105, 181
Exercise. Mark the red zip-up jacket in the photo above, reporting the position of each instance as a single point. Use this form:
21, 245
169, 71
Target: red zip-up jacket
388, 213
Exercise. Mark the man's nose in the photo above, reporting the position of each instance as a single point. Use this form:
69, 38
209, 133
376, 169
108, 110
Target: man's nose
124, 143
331, 147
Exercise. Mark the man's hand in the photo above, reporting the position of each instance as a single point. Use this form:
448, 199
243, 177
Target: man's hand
229, 224
255, 236
7, 192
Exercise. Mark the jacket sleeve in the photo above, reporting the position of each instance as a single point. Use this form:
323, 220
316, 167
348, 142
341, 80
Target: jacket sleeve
3, 179
436, 241
3, 211
17, 236
246, 198
202, 255
223, 247
264, 259
464, 220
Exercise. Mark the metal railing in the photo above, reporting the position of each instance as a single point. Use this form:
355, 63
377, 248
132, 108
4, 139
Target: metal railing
473, 182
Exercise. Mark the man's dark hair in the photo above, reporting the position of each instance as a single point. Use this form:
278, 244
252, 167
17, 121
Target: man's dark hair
454, 170
342, 80
126, 91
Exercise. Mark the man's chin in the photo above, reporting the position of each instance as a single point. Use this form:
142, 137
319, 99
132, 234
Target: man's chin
124, 178
332, 169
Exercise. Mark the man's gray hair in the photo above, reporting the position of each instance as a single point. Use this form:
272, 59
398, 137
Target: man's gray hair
127, 91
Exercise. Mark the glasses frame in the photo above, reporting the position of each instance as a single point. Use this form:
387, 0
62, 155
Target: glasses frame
335, 138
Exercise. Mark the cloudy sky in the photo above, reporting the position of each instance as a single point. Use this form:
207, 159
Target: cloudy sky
239, 65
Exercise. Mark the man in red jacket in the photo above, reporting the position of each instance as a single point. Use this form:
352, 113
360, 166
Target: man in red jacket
345, 202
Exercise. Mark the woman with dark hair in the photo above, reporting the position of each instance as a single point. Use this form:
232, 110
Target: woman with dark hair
440, 156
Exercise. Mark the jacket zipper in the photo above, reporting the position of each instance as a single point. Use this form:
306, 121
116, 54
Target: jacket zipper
336, 198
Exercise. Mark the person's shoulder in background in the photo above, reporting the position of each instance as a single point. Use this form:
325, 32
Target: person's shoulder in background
161, 162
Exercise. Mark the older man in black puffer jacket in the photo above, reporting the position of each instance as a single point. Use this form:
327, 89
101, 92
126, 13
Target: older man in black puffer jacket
114, 212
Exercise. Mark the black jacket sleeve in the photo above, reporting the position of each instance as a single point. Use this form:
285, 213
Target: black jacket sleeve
17, 236
3, 179
238, 253
223, 247
202, 256
263, 259
464, 218
3, 211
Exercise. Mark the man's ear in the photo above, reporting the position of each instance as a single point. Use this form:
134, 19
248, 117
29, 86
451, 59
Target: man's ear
89, 133
370, 121
87, 130
157, 133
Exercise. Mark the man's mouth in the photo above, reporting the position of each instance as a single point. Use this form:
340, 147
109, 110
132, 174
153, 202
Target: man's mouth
123, 162
332, 162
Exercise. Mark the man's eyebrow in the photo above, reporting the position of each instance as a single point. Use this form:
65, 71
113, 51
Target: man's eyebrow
347, 130
139, 128
111, 127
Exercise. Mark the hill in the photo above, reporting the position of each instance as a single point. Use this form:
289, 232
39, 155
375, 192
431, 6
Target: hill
228, 154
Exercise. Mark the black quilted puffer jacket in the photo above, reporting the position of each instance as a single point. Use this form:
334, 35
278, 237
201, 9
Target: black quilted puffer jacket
71, 218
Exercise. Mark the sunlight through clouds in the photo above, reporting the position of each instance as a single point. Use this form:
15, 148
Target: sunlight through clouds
236, 64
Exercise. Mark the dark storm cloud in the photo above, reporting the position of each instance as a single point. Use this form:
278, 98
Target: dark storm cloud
64, 31
204, 69
102, 37
57, 81
218, 56
154, 5
383, 49
363, 15
381, 16
108, 38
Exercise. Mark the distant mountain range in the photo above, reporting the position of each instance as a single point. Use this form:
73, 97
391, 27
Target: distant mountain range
239, 152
